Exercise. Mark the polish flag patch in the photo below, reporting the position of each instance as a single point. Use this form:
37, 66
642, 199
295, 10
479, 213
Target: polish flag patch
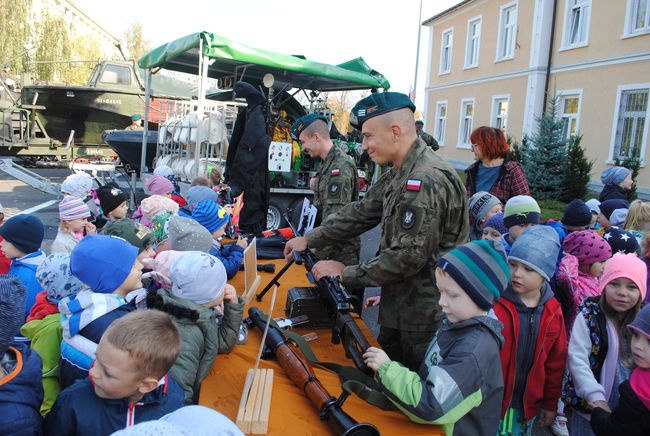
413, 185
336, 172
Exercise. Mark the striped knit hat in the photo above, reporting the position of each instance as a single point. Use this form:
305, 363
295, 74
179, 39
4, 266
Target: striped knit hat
521, 209
210, 215
12, 310
72, 208
480, 268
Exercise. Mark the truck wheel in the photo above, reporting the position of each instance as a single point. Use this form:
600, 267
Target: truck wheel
274, 217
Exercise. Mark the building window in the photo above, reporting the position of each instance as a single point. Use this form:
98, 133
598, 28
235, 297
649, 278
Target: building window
466, 122
473, 42
441, 122
569, 113
507, 32
576, 23
631, 124
499, 116
638, 17
445, 51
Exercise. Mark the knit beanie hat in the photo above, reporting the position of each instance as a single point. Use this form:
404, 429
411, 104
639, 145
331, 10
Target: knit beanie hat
132, 232
24, 231
607, 207
210, 215
480, 268
197, 194
185, 234
12, 309
618, 217
77, 185
72, 208
157, 185
614, 175
159, 226
521, 209
641, 323
55, 277
538, 247
577, 214
621, 241
110, 197
594, 205
102, 262
627, 266
496, 222
198, 277
589, 247
163, 171
152, 206
163, 261
158, 428
481, 203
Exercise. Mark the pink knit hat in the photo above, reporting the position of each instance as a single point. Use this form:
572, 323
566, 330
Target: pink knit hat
159, 185
588, 246
627, 266
161, 266
72, 208
152, 206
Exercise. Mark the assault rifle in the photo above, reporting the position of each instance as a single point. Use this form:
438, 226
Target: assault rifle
302, 374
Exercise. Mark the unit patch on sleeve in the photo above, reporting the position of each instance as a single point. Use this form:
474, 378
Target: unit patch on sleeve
334, 188
413, 184
408, 218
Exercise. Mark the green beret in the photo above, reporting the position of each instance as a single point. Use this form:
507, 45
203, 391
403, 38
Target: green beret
303, 122
136, 117
419, 123
378, 103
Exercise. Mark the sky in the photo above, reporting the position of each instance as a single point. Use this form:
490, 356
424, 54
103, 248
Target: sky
383, 32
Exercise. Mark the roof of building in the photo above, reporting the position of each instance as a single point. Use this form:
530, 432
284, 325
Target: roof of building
446, 11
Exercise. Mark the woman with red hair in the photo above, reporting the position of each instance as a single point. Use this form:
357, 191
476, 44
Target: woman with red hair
494, 170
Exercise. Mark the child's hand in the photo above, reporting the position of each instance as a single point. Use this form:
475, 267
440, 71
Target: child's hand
90, 228
546, 417
372, 301
228, 208
243, 243
230, 294
374, 358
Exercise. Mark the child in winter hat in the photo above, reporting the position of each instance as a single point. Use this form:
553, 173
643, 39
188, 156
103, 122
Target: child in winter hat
617, 183
621, 241
152, 206
576, 216
607, 208
21, 390
521, 212
113, 202
482, 206
157, 185
135, 234
494, 229
78, 185
594, 207
197, 194
74, 225
186, 234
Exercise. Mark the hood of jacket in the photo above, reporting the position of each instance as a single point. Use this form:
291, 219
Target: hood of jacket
77, 311
31, 261
457, 329
42, 307
511, 295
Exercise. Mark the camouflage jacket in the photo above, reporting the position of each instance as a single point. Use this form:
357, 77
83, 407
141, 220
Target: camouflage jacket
429, 140
336, 184
422, 207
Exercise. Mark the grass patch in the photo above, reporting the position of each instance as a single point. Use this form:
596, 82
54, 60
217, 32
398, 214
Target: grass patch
551, 209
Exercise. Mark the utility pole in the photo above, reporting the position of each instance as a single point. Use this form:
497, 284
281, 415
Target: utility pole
417, 54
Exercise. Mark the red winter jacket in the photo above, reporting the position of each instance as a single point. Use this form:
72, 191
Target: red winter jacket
544, 383
5, 262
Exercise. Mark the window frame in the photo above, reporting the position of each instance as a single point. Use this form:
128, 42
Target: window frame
493, 111
461, 120
439, 104
477, 19
562, 95
628, 32
449, 31
501, 34
644, 141
566, 28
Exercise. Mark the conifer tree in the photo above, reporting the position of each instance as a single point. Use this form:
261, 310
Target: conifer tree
577, 171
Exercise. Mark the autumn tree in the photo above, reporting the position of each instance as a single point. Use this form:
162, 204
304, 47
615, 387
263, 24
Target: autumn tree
136, 43
15, 34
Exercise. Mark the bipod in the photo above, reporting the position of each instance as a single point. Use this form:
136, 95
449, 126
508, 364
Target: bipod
274, 280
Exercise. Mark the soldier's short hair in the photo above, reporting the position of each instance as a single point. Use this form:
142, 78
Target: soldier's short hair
318, 126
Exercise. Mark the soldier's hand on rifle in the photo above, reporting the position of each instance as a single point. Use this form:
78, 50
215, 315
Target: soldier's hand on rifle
372, 301
327, 268
374, 358
298, 244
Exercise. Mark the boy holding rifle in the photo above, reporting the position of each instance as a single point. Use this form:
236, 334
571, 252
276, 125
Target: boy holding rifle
459, 384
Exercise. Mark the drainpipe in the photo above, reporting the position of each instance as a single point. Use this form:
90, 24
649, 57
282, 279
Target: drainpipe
550, 56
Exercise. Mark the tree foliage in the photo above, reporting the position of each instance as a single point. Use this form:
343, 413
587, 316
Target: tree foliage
14, 19
136, 43
578, 170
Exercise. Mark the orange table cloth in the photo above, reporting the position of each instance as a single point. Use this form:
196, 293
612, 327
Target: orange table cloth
291, 411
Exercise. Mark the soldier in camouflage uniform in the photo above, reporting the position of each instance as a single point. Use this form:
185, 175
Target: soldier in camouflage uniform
335, 185
428, 139
422, 206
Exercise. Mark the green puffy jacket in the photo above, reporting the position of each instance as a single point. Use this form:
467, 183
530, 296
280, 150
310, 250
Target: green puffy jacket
46, 335
202, 339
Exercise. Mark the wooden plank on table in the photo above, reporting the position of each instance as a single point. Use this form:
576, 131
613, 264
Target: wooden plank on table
250, 375
261, 421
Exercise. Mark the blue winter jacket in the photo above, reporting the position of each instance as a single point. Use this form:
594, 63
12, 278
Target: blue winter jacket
230, 255
25, 269
79, 411
21, 392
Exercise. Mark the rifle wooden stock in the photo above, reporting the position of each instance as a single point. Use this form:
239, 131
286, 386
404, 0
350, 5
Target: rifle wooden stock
302, 374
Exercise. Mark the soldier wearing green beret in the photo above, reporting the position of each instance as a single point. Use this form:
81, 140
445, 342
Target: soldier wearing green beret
428, 139
421, 205
335, 184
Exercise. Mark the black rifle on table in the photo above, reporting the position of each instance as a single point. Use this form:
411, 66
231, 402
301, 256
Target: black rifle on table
337, 303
